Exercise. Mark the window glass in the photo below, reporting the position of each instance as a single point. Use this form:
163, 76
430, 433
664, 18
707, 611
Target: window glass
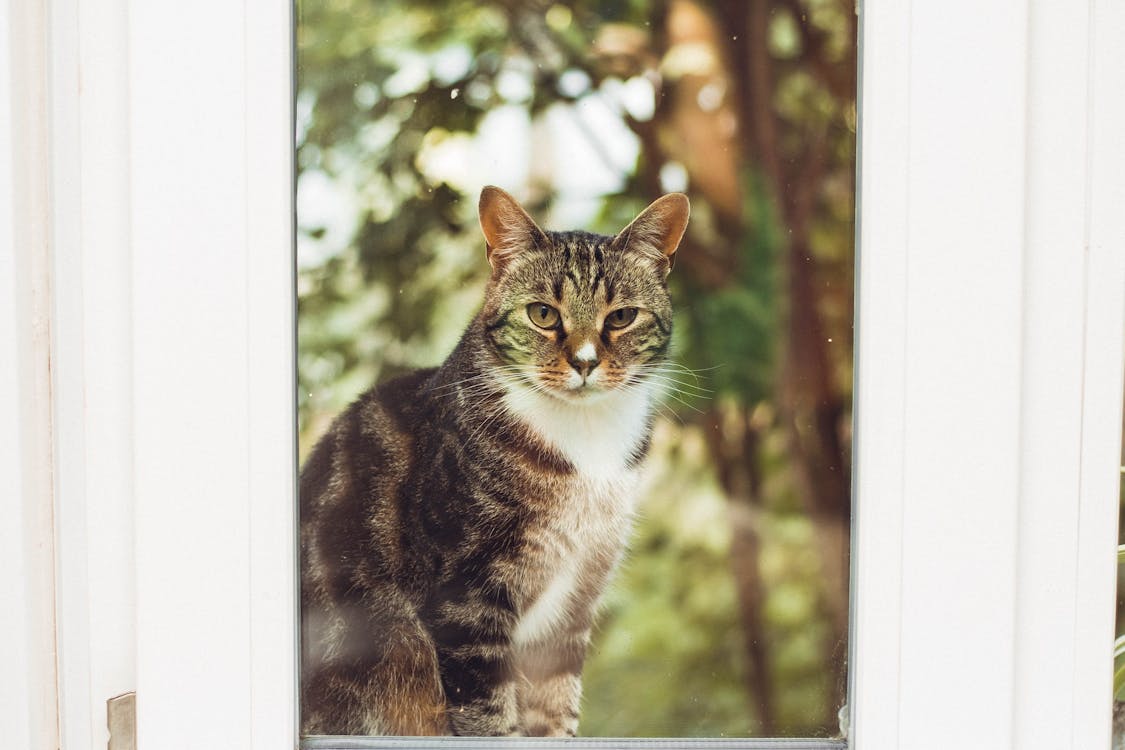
1119, 644
727, 616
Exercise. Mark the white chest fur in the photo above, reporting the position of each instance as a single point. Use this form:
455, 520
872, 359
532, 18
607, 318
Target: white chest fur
577, 549
574, 554
597, 437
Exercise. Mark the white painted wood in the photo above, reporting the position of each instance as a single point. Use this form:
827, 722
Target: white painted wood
28, 695
1052, 375
999, 224
963, 331
190, 374
271, 376
1095, 575
68, 381
91, 349
961, 437
880, 384
107, 347
988, 401
213, 358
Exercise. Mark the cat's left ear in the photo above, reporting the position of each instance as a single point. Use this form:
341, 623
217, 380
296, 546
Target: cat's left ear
507, 227
658, 229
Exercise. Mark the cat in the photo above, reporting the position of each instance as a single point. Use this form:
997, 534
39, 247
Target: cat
458, 524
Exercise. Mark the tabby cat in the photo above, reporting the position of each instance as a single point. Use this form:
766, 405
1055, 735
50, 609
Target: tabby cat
458, 524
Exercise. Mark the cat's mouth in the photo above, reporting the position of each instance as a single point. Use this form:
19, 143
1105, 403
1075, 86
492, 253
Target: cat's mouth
584, 389
577, 388
583, 394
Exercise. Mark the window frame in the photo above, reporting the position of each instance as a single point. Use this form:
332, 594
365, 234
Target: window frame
1013, 318
148, 347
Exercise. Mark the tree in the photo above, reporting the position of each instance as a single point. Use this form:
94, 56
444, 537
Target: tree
752, 106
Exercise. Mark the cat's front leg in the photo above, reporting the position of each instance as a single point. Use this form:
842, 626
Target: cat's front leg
550, 684
475, 661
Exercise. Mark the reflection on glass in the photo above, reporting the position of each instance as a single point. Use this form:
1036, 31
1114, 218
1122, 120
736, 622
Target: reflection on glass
728, 614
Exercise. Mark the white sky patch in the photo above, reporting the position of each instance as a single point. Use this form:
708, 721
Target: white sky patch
637, 96
592, 150
503, 149
499, 153
451, 63
303, 114
448, 157
411, 76
582, 151
514, 85
323, 203
574, 83
711, 96
673, 177
366, 95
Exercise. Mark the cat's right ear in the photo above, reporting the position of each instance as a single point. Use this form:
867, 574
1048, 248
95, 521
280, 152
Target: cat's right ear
508, 230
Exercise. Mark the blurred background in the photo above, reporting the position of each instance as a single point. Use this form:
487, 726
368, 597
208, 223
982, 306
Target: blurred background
729, 616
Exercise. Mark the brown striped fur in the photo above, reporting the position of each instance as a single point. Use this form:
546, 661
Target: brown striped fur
458, 524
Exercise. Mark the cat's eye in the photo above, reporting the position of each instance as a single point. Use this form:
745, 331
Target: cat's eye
543, 315
621, 317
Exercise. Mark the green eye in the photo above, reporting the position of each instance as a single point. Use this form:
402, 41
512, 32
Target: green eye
621, 318
542, 315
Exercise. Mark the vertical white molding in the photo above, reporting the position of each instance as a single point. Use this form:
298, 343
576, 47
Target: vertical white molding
103, 90
68, 378
271, 375
188, 173
1104, 350
961, 463
993, 244
1054, 312
880, 384
213, 357
942, 218
91, 346
28, 695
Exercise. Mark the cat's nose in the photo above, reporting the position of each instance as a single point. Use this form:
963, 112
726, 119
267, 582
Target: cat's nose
584, 367
584, 359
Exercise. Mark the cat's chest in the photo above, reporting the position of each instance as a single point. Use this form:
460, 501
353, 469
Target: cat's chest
569, 557
601, 439
571, 550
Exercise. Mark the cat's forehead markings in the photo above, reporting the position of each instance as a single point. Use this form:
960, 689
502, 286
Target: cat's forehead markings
584, 262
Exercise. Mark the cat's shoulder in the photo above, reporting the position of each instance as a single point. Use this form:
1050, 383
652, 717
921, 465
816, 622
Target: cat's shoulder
381, 422
408, 386
393, 403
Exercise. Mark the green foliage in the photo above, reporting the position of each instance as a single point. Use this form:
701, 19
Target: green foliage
383, 87
734, 328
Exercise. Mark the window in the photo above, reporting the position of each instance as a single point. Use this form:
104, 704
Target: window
969, 579
729, 616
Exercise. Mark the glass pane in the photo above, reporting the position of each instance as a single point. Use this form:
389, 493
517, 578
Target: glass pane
1119, 645
465, 531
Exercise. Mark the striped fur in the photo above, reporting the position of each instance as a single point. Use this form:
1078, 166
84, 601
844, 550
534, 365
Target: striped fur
458, 524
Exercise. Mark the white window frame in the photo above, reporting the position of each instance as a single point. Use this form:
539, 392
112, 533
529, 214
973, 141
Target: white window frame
988, 402
146, 372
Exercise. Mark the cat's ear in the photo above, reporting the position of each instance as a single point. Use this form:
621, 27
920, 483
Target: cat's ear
508, 230
658, 229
